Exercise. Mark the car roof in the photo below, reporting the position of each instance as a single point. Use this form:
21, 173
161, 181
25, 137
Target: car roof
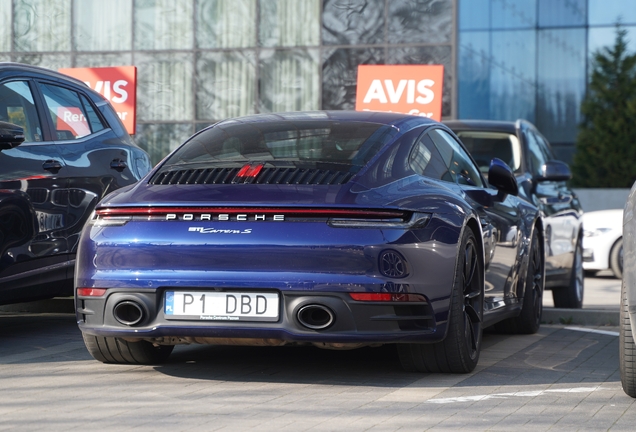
10, 68
387, 118
483, 125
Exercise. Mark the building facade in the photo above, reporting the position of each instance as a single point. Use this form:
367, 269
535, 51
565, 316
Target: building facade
200, 61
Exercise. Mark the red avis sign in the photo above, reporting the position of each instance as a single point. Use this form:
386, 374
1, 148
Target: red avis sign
407, 89
117, 84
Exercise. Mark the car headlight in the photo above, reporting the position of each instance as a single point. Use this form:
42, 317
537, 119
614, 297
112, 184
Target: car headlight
596, 232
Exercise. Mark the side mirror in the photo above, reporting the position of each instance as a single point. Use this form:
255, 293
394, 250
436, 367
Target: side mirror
555, 170
501, 176
10, 135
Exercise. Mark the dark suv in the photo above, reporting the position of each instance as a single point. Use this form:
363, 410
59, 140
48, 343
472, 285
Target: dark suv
542, 181
74, 150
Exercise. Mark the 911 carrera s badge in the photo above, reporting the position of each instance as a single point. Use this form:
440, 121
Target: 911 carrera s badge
203, 230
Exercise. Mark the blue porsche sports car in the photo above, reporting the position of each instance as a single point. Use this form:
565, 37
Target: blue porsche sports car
338, 229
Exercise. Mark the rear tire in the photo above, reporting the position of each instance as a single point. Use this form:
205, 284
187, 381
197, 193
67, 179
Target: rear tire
529, 320
571, 296
119, 351
626, 348
616, 259
459, 351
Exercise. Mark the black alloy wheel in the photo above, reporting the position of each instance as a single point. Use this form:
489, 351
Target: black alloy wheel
459, 351
626, 347
571, 296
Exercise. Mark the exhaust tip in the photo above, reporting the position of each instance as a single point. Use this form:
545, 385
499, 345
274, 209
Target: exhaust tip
128, 313
315, 317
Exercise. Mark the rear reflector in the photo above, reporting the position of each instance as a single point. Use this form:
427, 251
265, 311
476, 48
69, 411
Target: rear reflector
387, 297
91, 292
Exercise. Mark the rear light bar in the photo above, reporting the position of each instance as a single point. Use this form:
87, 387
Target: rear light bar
91, 292
387, 297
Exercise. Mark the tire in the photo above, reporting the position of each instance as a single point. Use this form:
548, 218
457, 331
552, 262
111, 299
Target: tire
616, 259
459, 351
571, 296
626, 348
529, 320
119, 351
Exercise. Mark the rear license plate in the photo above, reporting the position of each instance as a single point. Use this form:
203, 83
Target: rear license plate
221, 306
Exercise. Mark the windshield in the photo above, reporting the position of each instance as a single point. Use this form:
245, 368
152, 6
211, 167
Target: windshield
349, 143
484, 146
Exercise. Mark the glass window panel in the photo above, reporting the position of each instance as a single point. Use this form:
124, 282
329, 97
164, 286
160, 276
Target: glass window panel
561, 82
163, 24
68, 114
420, 21
102, 26
429, 55
602, 37
513, 75
473, 69
226, 84
5, 29
49, 61
603, 12
562, 13
42, 25
17, 106
226, 23
289, 80
474, 14
340, 75
165, 89
103, 60
517, 14
160, 139
351, 22
289, 23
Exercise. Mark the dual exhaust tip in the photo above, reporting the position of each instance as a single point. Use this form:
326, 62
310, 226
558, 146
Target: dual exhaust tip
312, 316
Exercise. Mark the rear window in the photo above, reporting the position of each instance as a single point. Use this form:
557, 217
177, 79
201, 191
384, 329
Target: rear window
350, 143
484, 146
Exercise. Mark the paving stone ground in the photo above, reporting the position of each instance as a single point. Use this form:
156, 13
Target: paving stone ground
560, 379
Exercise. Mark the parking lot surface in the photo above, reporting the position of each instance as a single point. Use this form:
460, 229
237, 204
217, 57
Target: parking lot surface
563, 378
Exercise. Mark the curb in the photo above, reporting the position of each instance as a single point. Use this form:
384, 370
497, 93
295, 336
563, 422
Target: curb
54, 305
587, 317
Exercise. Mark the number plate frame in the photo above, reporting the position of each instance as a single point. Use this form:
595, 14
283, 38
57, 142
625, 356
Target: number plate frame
262, 306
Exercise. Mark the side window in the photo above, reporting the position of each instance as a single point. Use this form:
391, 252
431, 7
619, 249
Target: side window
426, 159
72, 116
536, 153
17, 106
459, 164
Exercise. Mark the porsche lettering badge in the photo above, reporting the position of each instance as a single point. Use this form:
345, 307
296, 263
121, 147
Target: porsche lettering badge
224, 217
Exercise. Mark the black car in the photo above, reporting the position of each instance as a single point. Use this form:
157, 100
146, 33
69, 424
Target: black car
73, 151
542, 181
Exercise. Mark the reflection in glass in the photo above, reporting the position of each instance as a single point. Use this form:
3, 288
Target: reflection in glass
5, 30
160, 139
429, 55
289, 23
340, 75
351, 22
420, 21
226, 23
561, 13
225, 84
165, 89
473, 14
561, 82
102, 26
289, 80
473, 69
103, 60
603, 12
42, 25
163, 24
49, 61
517, 14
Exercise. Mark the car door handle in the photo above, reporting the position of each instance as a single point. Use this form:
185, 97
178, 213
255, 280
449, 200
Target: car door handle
52, 165
118, 164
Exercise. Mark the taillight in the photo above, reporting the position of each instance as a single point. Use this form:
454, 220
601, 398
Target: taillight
417, 220
101, 220
91, 292
387, 297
